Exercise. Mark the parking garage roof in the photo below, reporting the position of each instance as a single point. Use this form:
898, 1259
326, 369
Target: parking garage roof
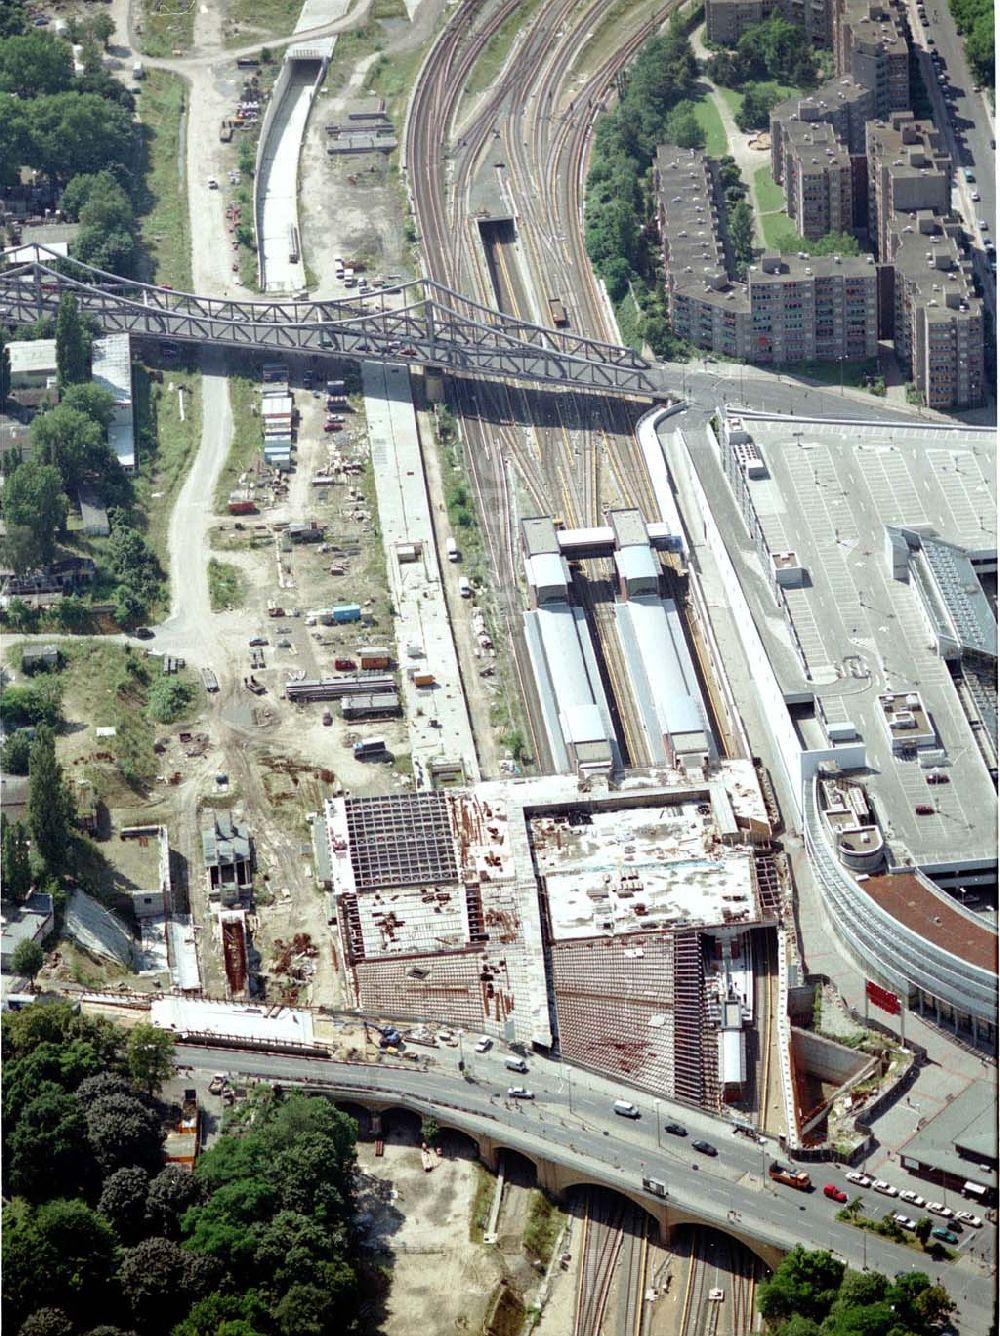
829, 496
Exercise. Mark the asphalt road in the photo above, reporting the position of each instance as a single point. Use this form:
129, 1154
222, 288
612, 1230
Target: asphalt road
571, 1123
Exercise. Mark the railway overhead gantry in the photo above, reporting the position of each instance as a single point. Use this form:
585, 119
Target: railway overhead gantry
421, 323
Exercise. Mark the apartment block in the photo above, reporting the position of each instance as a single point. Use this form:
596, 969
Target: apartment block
727, 20
817, 179
792, 309
704, 305
870, 46
938, 319
842, 103
909, 169
805, 308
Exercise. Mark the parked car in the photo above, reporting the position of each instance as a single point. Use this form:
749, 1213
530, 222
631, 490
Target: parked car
887, 1190
904, 1221
945, 1235
967, 1218
975, 196
705, 1147
862, 1180
834, 1193
143, 633
936, 777
257, 641
519, 1092
914, 1199
675, 1129
284, 644
484, 1045
969, 174
938, 1208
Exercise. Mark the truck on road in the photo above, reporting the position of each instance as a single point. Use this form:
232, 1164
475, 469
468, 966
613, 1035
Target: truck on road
790, 1177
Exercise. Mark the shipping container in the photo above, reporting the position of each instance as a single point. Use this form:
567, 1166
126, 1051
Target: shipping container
375, 657
423, 679
346, 612
336, 387
344, 665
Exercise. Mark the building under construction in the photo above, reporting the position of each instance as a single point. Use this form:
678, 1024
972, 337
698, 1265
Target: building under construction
617, 926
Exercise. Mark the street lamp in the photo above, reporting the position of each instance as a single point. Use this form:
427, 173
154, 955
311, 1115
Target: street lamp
657, 1104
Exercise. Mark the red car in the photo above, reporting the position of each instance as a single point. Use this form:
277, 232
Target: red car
333, 426
834, 1193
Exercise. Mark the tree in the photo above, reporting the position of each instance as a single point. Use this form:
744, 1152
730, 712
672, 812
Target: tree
242, 1314
758, 101
71, 441
122, 1131
804, 1283
14, 857
38, 62
123, 1202
682, 128
172, 1192
153, 1279
102, 27
430, 1129
923, 1229
47, 1322
859, 1288
93, 400
73, 132
37, 704
62, 1253
46, 1152
150, 1056
741, 234
27, 960
72, 343
34, 504
13, 19
50, 807
168, 700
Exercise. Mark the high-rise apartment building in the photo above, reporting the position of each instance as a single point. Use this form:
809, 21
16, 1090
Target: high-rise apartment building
909, 169
870, 46
817, 179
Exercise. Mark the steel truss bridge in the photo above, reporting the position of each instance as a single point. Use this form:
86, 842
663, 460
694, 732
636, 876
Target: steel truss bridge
421, 323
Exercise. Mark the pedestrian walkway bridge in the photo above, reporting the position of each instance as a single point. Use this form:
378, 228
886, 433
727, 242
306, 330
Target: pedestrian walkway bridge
421, 323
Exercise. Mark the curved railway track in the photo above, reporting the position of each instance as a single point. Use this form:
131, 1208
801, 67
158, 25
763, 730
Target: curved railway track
580, 455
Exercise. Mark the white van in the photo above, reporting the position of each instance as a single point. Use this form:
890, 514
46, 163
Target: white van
464, 588
452, 548
516, 1065
626, 1110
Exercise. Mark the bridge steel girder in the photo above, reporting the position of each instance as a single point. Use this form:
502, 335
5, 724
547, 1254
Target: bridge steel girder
440, 326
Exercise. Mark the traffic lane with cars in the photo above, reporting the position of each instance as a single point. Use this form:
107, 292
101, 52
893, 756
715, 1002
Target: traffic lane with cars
722, 1190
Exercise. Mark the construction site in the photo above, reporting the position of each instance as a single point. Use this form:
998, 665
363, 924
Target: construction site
630, 930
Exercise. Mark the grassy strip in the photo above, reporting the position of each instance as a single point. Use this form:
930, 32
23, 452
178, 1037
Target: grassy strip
852, 374
167, 446
165, 225
168, 28
707, 115
629, 320
388, 9
496, 50
778, 231
393, 78
545, 1224
769, 195
273, 18
889, 1229
352, 47
245, 446
226, 586
482, 1199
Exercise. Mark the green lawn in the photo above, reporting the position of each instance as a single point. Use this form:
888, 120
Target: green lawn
276, 18
770, 196
732, 97
778, 231
851, 374
174, 444
707, 116
247, 441
164, 224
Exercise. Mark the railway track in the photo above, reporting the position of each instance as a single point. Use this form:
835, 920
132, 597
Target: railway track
601, 1246
587, 459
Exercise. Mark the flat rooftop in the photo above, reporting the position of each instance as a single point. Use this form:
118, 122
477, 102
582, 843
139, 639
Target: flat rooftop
935, 917
183, 1015
969, 1121
829, 495
640, 869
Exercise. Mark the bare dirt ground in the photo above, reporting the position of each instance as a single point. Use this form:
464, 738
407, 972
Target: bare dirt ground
419, 1227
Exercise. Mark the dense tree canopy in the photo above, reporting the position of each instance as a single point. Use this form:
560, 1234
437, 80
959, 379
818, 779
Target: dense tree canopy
35, 508
35, 63
50, 805
72, 343
813, 1294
